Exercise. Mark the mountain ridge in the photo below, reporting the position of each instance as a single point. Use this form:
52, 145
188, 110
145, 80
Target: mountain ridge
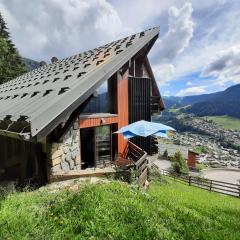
220, 103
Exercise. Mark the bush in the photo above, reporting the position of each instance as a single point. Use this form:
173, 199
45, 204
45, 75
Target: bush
200, 167
201, 150
165, 154
156, 176
179, 164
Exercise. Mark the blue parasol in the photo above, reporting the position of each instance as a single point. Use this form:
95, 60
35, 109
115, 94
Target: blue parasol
144, 129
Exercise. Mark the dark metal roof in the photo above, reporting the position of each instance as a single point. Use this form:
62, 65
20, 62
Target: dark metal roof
31, 102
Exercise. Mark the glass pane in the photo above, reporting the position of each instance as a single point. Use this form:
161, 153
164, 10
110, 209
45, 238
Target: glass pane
103, 146
99, 102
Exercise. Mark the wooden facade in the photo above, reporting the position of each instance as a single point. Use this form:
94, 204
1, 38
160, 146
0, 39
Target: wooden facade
122, 106
192, 159
97, 121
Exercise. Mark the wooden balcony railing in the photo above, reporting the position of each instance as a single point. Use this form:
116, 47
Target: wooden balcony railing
136, 158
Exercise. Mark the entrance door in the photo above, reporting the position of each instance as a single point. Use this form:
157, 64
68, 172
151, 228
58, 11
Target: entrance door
96, 147
103, 153
87, 147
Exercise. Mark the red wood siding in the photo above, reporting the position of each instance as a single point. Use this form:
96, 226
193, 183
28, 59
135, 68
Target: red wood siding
192, 159
122, 102
96, 121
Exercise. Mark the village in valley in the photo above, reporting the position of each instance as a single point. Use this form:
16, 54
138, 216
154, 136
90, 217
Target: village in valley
216, 146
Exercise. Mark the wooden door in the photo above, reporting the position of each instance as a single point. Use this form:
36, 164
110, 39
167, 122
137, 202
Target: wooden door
103, 149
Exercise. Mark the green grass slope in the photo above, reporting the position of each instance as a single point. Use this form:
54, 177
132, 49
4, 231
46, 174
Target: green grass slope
226, 122
118, 211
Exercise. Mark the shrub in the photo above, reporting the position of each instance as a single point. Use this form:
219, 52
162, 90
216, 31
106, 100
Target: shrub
179, 164
200, 167
165, 154
156, 176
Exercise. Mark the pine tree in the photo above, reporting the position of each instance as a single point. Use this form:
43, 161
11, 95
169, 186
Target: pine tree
11, 64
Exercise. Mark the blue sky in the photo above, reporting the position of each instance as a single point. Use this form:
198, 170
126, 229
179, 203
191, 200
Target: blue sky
198, 50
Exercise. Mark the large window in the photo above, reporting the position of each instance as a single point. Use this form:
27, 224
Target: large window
104, 99
99, 101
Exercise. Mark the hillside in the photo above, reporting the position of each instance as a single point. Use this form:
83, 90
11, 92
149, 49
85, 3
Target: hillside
226, 122
30, 64
116, 210
229, 108
226, 102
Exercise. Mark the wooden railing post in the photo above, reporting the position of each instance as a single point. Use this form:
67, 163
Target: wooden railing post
210, 188
189, 180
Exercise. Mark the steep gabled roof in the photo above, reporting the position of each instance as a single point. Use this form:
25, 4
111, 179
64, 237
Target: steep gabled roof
35, 100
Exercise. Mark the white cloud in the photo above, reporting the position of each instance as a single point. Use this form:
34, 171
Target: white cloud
163, 73
180, 32
191, 91
45, 28
189, 83
215, 30
174, 42
141, 13
225, 66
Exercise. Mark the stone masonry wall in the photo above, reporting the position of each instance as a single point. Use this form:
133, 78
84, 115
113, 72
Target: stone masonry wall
64, 155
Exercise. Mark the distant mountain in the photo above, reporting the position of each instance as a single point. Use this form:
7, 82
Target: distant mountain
226, 102
172, 102
220, 108
230, 94
31, 64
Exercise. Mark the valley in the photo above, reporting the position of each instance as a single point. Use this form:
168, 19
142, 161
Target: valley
217, 146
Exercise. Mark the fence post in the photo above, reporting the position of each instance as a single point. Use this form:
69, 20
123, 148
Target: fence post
210, 185
189, 180
239, 191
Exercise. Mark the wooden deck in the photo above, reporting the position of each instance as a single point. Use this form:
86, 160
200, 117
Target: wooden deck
133, 157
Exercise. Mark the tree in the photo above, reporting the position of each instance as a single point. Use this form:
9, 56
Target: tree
179, 164
11, 64
165, 154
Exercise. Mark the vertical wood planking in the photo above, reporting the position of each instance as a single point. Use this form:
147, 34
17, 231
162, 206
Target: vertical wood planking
122, 103
140, 107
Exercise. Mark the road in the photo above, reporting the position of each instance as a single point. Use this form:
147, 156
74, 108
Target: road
222, 175
213, 174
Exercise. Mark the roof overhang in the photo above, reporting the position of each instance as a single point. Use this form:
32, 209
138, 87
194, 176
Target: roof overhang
44, 116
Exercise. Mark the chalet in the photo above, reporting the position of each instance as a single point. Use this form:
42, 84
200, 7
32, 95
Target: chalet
59, 119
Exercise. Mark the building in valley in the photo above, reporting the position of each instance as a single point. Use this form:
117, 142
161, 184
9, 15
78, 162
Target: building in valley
59, 119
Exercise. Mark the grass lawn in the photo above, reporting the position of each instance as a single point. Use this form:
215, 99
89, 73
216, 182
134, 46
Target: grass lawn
226, 122
119, 211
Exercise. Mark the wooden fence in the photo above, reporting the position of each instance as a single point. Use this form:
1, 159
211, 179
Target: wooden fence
230, 189
21, 160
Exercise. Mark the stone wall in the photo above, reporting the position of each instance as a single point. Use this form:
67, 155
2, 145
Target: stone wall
64, 156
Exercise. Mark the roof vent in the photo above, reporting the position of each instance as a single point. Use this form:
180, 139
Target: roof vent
63, 90
34, 94
54, 60
47, 92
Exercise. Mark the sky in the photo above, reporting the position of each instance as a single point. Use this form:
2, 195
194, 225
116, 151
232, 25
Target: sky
198, 50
